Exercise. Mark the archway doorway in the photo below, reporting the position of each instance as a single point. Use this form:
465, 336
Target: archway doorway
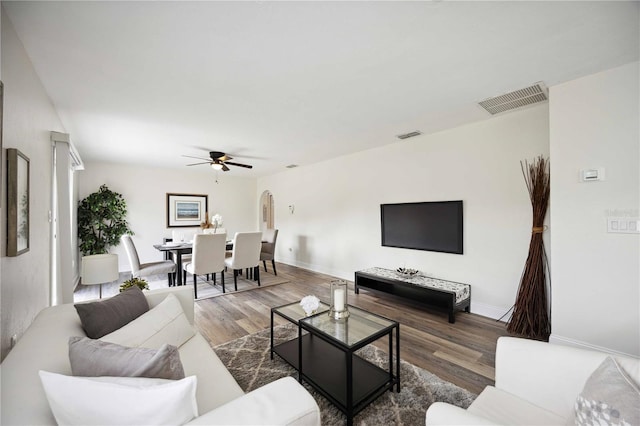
266, 211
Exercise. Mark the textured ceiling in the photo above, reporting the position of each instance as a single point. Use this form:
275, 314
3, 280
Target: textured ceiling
276, 83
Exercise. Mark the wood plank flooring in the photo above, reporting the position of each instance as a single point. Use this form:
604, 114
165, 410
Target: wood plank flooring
462, 353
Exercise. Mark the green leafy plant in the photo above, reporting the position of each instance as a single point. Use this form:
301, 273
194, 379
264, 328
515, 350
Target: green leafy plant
101, 221
142, 284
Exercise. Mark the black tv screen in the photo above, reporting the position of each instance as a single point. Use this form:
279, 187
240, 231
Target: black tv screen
431, 226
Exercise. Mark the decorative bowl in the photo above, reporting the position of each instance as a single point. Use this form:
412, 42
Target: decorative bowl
407, 272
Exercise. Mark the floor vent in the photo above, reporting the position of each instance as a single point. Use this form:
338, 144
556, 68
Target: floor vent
516, 99
410, 134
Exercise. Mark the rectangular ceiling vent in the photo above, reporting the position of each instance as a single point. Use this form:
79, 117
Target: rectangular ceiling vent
516, 99
292, 166
410, 134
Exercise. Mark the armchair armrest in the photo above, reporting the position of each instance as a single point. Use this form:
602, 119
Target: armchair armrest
441, 413
545, 374
283, 402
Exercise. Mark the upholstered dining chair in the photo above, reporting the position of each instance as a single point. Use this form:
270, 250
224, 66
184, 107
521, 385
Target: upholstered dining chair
245, 255
269, 237
207, 258
179, 236
147, 269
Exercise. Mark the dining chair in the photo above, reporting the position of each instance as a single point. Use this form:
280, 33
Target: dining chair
268, 249
183, 235
139, 270
245, 255
207, 258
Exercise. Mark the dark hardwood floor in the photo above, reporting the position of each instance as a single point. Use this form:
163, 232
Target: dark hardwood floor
462, 353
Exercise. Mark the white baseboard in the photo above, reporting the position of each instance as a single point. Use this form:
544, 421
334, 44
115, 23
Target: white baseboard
317, 268
566, 341
490, 311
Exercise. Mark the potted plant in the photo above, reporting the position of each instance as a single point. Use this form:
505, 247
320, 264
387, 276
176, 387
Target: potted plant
102, 221
142, 284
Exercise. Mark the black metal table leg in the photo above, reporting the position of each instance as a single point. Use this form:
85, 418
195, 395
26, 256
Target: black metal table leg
271, 332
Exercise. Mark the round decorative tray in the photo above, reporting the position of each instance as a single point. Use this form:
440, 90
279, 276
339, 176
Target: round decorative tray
407, 272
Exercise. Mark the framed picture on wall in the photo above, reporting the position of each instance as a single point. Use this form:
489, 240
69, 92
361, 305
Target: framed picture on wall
1, 112
17, 202
186, 210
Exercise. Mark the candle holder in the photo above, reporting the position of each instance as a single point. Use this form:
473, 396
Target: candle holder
339, 309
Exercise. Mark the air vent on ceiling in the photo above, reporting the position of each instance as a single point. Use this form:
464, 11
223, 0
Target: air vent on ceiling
410, 134
292, 166
516, 99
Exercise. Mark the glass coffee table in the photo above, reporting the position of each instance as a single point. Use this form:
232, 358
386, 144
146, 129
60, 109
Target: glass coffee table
324, 355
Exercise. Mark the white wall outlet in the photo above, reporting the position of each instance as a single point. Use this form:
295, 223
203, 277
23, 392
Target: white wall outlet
623, 225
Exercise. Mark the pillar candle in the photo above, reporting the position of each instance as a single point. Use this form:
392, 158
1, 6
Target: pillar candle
338, 300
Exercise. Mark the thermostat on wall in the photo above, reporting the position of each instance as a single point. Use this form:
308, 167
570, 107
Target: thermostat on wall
587, 175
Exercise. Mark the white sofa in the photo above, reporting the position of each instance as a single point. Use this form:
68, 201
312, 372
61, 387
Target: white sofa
536, 383
44, 346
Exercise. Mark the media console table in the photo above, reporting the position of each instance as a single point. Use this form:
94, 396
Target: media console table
451, 295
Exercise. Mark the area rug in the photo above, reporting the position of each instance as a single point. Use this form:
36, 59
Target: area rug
206, 289
248, 360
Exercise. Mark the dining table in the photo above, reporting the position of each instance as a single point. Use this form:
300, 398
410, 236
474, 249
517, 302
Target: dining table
178, 249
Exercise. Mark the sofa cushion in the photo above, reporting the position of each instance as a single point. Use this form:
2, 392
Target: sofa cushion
164, 323
93, 358
103, 317
216, 385
507, 409
609, 396
120, 400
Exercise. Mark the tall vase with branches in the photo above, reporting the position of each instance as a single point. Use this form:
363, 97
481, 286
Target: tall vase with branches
530, 312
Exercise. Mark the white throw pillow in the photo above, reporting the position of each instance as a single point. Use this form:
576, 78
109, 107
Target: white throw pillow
120, 400
165, 323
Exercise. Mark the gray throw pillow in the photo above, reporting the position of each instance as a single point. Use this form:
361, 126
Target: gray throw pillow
103, 317
609, 397
94, 358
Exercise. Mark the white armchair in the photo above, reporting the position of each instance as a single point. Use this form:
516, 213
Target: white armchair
536, 383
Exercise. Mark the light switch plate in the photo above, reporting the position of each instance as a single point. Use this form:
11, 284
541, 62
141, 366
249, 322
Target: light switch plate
623, 225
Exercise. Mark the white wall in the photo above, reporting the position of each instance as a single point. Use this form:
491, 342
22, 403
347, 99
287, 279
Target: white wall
594, 122
335, 227
144, 189
29, 116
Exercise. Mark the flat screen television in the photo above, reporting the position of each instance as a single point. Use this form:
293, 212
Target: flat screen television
431, 226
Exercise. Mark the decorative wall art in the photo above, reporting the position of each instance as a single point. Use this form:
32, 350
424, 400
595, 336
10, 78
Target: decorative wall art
186, 210
17, 202
1, 113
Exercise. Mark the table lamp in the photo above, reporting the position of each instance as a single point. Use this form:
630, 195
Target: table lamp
99, 269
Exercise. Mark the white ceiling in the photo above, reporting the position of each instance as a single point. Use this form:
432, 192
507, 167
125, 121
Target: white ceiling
279, 83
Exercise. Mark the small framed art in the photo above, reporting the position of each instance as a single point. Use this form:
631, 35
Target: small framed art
17, 202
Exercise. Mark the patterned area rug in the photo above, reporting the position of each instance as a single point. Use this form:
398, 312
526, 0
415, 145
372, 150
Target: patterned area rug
248, 360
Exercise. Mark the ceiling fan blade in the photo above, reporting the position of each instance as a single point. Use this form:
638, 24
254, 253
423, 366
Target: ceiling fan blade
239, 165
225, 168
225, 158
195, 164
197, 158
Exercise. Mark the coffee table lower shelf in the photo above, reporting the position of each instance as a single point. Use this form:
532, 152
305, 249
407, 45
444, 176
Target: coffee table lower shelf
325, 368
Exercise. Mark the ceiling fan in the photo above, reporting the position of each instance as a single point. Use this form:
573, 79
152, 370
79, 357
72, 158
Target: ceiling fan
218, 161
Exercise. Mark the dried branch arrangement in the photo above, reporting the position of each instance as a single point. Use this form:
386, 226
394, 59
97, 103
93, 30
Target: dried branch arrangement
530, 313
